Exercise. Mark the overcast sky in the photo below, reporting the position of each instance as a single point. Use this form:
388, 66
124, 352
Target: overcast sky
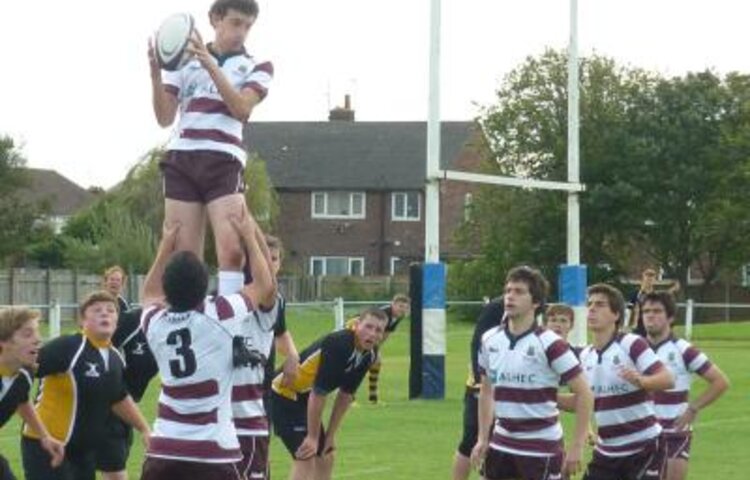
75, 91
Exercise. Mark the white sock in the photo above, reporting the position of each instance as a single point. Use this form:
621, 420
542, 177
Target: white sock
230, 282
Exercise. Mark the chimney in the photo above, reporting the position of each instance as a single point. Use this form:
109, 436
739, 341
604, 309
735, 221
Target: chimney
345, 114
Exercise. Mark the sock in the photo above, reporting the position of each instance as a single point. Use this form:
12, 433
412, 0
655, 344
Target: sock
373, 377
230, 282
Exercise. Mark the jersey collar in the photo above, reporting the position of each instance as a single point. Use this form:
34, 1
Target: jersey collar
220, 59
599, 352
657, 346
7, 372
515, 339
95, 342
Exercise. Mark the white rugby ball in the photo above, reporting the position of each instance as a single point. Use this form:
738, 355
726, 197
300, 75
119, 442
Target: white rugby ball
172, 40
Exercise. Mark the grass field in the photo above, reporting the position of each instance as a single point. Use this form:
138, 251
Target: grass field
416, 440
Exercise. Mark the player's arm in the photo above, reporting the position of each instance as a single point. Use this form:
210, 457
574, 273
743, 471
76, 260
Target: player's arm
164, 102
240, 103
316, 403
285, 346
129, 412
340, 406
486, 416
152, 292
55, 448
583, 407
262, 290
718, 383
660, 379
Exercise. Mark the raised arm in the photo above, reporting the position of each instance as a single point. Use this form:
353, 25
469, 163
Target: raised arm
262, 290
152, 290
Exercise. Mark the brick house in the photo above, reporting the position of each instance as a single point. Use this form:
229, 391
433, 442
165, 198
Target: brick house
351, 194
62, 197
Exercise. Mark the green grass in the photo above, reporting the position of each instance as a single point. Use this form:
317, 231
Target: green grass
416, 440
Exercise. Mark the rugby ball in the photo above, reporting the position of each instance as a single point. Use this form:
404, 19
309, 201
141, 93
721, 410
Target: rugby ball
172, 39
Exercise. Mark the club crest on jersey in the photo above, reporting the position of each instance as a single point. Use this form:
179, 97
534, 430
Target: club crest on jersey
616, 360
530, 351
670, 357
92, 370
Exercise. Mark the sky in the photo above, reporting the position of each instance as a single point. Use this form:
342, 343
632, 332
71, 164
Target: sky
75, 90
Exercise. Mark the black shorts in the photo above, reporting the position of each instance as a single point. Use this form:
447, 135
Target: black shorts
201, 176
79, 464
499, 465
290, 422
5, 472
471, 422
113, 450
166, 469
648, 464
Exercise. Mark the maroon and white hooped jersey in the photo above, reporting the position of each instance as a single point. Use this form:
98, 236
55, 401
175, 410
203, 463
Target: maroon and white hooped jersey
205, 121
683, 360
247, 392
193, 350
525, 372
624, 413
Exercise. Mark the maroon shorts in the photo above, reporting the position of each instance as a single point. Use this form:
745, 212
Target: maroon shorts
499, 465
165, 469
254, 463
648, 464
201, 175
677, 446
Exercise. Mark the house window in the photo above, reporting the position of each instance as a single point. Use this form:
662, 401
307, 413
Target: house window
338, 205
320, 266
405, 206
399, 266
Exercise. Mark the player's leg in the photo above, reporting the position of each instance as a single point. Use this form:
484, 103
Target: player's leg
677, 469
462, 462
373, 376
183, 200
229, 253
192, 219
5, 472
113, 450
324, 466
677, 452
303, 469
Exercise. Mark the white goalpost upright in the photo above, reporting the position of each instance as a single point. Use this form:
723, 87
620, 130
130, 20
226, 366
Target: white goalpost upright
572, 278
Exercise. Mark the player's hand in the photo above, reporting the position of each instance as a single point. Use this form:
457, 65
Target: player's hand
146, 440
572, 463
631, 376
308, 449
289, 371
478, 453
591, 438
683, 421
329, 446
55, 449
153, 63
169, 235
199, 50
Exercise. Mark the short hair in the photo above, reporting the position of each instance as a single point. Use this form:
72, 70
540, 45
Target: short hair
614, 298
221, 7
651, 272
95, 297
12, 319
534, 280
664, 298
185, 281
400, 298
375, 313
274, 242
114, 269
561, 309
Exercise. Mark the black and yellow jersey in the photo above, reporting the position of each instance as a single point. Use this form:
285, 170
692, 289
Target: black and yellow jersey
14, 390
130, 340
332, 362
80, 381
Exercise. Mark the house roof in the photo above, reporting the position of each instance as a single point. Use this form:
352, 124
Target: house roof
343, 155
63, 196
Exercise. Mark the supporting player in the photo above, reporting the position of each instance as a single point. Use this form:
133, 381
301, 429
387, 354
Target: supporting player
337, 361
203, 167
197, 342
81, 382
623, 371
19, 348
114, 281
490, 316
522, 366
675, 414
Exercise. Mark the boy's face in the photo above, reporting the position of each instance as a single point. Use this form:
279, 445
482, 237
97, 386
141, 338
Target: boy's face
231, 30
560, 323
400, 309
24, 345
655, 318
100, 319
600, 316
517, 300
113, 283
369, 332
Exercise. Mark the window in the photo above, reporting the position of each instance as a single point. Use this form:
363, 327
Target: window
338, 205
405, 206
320, 266
399, 266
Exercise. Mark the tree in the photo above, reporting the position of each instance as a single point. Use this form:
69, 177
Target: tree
17, 216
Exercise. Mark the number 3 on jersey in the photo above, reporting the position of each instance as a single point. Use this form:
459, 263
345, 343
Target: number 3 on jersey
184, 365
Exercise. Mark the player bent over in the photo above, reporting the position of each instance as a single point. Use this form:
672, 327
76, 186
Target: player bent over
340, 361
